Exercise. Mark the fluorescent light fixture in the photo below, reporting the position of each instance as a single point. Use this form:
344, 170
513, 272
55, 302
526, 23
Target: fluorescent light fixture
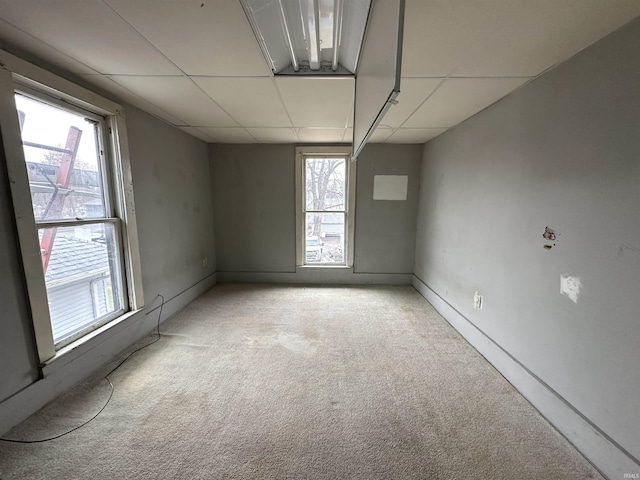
317, 37
379, 70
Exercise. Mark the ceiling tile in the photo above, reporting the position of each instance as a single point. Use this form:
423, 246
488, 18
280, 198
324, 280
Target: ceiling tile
351, 110
200, 37
439, 33
459, 98
413, 91
180, 97
14, 36
252, 102
121, 94
527, 38
274, 135
503, 37
414, 135
380, 135
317, 102
194, 132
227, 135
323, 135
99, 39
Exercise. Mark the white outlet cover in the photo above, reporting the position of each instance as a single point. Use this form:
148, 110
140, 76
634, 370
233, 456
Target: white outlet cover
570, 286
477, 301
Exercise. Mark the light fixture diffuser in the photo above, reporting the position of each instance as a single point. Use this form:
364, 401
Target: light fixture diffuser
316, 37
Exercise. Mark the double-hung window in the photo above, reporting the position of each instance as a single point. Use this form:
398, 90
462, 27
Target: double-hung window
71, 187
325, 206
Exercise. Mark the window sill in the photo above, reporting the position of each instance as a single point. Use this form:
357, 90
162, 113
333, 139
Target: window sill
79, 347
334, 268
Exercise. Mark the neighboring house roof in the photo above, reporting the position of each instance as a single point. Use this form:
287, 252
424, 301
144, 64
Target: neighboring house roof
73, 259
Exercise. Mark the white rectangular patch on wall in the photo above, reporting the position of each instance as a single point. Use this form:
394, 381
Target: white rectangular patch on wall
390, 187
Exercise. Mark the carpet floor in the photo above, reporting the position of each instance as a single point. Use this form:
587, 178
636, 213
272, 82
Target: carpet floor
291, 382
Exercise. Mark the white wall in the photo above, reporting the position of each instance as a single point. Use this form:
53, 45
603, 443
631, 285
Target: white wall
563, 152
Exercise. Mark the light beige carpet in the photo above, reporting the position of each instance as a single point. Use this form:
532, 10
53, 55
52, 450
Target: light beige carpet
266, 382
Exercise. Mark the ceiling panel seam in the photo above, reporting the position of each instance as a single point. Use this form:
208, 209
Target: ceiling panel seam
115, 12
424, 101
284, 105
38, 40
144, 100
193, 82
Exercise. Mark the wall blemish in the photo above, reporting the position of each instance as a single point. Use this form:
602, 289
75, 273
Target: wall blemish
570, 286
549, 234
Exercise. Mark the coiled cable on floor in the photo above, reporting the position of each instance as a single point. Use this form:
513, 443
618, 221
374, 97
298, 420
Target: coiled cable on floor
106, 377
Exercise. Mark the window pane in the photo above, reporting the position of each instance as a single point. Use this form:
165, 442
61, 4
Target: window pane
82, 276
325, 183
63, 162
324, 242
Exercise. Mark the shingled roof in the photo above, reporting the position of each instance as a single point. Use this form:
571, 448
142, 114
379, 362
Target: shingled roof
74, 259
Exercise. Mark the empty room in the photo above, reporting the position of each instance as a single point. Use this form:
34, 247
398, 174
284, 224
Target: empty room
320, 239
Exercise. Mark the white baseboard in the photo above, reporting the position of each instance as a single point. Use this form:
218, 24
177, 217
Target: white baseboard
78, 363
602, 451
325, 276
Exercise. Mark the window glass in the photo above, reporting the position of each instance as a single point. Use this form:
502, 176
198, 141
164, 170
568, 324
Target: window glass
325, 190
82, 277
325, 238
63, 162
325, 184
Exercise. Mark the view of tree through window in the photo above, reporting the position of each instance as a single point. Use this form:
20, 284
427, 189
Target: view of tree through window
78, 242
325, 209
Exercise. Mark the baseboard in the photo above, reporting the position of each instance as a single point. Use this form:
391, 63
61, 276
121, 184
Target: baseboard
317, 275
76, 365
600, 449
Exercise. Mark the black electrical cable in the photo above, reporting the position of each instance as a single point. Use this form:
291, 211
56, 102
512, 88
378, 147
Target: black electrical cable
106, 377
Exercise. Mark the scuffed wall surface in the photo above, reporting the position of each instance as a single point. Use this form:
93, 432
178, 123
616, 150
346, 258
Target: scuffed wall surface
386, 229
174, 211
254, 209
561, 154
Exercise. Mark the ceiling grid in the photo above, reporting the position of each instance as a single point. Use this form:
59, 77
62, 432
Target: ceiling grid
197, 64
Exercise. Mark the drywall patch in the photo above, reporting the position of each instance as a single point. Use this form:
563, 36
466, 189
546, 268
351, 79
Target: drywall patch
390, 187
570, 286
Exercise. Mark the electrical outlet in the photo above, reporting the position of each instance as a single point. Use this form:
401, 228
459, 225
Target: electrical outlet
204, 262
477, 301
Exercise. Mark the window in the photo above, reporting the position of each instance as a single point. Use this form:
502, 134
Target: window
72, 195
325, 197
72, 206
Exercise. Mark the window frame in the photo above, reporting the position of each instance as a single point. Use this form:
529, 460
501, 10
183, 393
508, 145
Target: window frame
302, 153
110, 218
17, 75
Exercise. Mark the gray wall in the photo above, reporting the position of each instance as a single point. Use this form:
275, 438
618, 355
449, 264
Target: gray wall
386, 230
560, 152
254, 209
172, 191
173, 194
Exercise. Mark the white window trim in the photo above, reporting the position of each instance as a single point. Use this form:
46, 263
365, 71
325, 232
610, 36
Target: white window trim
301, 153
16, 73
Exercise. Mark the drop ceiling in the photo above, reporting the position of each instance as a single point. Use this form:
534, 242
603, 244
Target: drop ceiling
197, 65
